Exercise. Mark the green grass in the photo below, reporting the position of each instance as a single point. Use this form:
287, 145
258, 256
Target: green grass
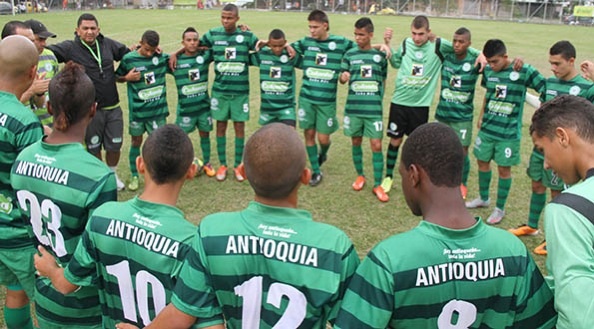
359, 214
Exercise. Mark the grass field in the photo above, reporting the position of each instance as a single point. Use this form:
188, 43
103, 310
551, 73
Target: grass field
359, 214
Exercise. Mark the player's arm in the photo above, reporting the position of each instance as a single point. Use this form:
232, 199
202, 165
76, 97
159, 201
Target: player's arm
587, 68
569, 246
536, 80
479, 120
344, 67
61, 50
47, 266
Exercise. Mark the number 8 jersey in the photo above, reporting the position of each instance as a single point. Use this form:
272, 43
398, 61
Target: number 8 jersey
57, 187
267, 267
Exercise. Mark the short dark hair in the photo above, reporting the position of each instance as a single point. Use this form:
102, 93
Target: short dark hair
87, 17
436, 148
276, 34
11, 27
188, 29
494, 47
463, 31
566, 111
563, 48
420, 22
274, 160
167, 154
364, 23
317, 15
73, 95
151, 38
232, 8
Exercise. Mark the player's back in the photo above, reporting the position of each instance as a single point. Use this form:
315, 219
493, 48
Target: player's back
275, 266
434, 277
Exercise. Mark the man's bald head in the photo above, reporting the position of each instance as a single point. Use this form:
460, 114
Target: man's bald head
274, 161
17, 56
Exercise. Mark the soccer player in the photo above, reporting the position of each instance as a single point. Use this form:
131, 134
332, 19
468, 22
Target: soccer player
418, 62
452, 270
321, 54
500, 123
269, 264
563, 129
47, 68
231, 89
134, 250
456, 107
97, 54
277, 80
567, 80
193, 103
18, 128
58, 184
144, 72
365, 69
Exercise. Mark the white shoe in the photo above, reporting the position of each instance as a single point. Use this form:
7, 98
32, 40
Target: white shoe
478, 203
120, 185
496, 216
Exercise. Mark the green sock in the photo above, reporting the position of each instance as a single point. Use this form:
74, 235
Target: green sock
391, 157
222, 150
484, 182
358, 159
134, 153
205, 146
312, 153
18, 318
324, 149
378, 168
466, 170
239, 143
503, 188
537, 204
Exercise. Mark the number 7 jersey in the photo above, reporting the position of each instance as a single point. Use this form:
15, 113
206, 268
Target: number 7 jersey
266, 267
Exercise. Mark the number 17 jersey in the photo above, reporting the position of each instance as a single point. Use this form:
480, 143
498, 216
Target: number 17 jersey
266, 267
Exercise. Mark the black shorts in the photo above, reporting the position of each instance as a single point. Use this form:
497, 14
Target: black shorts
404, 119
105, 130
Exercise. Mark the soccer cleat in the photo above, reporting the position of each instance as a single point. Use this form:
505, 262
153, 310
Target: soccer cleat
221, 173
541, 249
496, 216
387, 184
119, 184
238, 175
322, 159
463, 191
380, 194
208, 170
199, 166
478, 203
133, 183
359, 183
523, 230
316, 179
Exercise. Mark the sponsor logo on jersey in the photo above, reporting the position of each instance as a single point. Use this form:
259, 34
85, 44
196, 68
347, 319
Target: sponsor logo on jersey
365, 87
194, 75
319, 74
321, 59
332, 45
239, 38
155, 61
366, 71
466, 67
417, 70
274, 86
455, 96
228, 67
198, 88
502, 108
513, 76
151, 93
275, 72
284, 58
377, 58
200, 60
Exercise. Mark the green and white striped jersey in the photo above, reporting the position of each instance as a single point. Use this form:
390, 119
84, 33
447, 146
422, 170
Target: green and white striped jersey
321, 66
435, 277
191, 79
504, 100
368, 70
147, 97
266, 266
277, 80
58, 187
231, 52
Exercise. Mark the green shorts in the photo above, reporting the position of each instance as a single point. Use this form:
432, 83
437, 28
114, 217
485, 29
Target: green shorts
321, 117
538, 173
202, 121
139, 128
355, 126
16, 268
463, 129
504, 153
285, 116
230, 107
